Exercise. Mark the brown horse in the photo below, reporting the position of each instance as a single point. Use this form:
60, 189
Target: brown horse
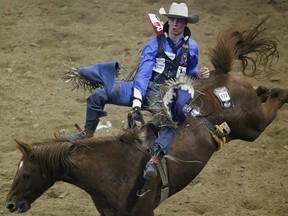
110, 169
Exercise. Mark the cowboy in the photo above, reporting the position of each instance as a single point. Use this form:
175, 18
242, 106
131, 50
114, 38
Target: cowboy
167, 56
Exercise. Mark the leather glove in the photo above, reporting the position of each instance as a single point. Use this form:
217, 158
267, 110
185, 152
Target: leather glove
204, 73
135, 115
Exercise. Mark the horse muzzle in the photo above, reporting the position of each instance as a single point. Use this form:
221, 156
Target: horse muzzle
21, 206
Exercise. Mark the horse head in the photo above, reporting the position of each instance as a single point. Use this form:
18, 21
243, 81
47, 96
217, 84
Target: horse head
28, 182
40, 166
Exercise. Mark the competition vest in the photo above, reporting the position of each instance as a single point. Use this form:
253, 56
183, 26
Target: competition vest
170, 65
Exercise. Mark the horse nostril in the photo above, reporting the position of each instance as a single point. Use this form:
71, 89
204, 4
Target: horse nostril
11, 206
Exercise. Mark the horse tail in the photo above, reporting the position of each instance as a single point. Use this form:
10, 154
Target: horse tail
245, 46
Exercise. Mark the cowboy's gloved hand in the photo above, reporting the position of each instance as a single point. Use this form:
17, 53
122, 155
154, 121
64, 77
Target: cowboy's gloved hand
204, 73
136, 114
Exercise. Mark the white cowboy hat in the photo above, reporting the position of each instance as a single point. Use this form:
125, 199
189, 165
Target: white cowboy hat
179, 11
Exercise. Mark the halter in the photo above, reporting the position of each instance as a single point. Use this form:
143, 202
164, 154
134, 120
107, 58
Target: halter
218, 132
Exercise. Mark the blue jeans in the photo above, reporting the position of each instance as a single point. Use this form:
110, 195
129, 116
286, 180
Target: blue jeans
166, 134
122, 94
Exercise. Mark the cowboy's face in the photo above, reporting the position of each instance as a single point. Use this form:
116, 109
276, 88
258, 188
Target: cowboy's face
177, 25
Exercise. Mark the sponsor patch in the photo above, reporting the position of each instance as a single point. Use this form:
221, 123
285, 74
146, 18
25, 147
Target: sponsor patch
224, 97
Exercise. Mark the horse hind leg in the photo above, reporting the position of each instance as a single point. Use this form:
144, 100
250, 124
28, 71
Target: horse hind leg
273, 101
263, 93
276, 93
281, 95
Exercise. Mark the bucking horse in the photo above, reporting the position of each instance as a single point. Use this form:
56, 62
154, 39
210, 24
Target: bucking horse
110, 168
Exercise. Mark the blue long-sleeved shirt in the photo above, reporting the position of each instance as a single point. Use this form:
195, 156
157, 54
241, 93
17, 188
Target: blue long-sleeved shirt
148, 57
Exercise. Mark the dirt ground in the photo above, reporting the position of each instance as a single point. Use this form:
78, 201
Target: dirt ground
37, 37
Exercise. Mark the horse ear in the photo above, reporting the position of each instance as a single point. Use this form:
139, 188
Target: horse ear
24, 148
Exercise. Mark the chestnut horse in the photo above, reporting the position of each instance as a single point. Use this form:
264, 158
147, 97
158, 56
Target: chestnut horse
110, 168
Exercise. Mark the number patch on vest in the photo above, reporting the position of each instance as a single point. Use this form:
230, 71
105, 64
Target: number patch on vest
181, 71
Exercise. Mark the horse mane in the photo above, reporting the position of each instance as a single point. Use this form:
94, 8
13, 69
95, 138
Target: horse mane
53, 156
238, 45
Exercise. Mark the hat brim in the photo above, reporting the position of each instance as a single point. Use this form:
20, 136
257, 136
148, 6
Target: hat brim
193, 18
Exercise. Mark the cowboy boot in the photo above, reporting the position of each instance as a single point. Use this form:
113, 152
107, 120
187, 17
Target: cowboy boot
151, 168
152, 165
71, 137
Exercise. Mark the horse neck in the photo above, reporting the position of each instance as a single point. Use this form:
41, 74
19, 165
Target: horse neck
105, 166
